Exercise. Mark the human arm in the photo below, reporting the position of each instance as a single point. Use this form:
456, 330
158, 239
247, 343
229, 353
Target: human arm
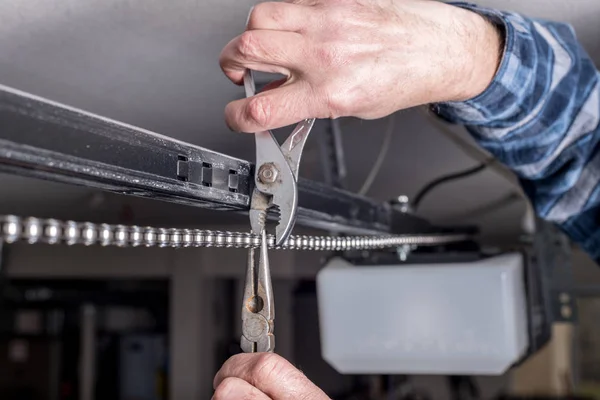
540, 117
527, 92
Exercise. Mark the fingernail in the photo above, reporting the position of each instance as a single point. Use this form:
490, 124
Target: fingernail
248, 17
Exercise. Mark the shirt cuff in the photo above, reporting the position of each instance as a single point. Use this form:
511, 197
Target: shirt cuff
500, 93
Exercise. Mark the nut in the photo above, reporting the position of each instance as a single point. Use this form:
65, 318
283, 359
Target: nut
402, 202
403, 199
267, 173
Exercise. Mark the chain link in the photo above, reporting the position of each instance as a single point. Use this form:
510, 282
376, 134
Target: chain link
52, 231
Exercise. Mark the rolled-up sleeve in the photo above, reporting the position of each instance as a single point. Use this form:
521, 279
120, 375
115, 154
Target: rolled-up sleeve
540, 117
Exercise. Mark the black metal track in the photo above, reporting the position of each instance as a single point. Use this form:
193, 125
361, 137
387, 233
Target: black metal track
43, 139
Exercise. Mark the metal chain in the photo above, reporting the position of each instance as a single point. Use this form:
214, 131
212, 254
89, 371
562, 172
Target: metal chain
52, 231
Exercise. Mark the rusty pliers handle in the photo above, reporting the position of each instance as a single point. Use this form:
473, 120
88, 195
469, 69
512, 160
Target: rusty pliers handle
258, 308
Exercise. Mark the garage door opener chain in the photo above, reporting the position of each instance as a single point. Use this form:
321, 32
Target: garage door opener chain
52, 231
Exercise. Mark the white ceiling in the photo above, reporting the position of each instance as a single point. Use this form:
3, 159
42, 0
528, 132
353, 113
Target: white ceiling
154, 64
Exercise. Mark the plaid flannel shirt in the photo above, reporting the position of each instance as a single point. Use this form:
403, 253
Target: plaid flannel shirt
540, 117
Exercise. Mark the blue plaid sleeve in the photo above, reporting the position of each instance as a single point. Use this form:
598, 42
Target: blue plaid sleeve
540, 117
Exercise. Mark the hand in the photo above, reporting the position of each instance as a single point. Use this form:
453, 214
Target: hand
365, 59
263, 376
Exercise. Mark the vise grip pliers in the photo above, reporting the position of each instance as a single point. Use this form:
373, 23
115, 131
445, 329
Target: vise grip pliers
276, 189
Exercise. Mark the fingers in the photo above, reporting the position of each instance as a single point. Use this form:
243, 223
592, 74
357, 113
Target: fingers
279, 16
270, 374
237, 389
262, 50
273, 85
285, 105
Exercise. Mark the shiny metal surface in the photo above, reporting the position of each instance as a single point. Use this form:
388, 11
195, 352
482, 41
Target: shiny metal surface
51, 231
276, 175
80, 148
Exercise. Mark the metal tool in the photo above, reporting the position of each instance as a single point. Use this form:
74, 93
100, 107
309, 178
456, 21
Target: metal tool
14, 228
276, 175
258, 310
276, 180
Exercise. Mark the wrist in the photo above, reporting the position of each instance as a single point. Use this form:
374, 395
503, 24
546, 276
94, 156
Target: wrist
483, 44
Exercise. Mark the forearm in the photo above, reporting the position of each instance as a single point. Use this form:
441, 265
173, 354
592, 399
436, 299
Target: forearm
539, 116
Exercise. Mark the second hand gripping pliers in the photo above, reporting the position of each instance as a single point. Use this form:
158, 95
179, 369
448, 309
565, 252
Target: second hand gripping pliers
276, 188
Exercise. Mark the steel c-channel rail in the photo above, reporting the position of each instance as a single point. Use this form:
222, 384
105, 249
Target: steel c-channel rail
44, 139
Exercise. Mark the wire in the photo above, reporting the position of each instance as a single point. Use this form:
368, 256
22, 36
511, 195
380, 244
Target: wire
473, 151
385, 145
478, 154
444, 179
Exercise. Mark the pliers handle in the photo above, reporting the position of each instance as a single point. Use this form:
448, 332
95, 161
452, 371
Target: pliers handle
258, 308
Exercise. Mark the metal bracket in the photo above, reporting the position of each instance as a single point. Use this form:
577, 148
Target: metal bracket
553, 254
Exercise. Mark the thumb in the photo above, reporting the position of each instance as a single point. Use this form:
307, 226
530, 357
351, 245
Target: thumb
272, 375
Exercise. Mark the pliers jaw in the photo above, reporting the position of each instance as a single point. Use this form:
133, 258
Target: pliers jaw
264, 344
276, 175
281, 198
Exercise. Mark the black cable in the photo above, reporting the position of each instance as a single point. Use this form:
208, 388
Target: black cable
446, 178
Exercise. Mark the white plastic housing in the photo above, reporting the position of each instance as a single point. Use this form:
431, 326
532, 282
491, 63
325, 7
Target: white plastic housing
460, 318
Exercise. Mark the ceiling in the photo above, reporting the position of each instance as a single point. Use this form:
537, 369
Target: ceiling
154, 64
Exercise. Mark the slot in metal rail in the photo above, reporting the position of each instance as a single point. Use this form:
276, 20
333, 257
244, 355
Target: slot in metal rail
44, 139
